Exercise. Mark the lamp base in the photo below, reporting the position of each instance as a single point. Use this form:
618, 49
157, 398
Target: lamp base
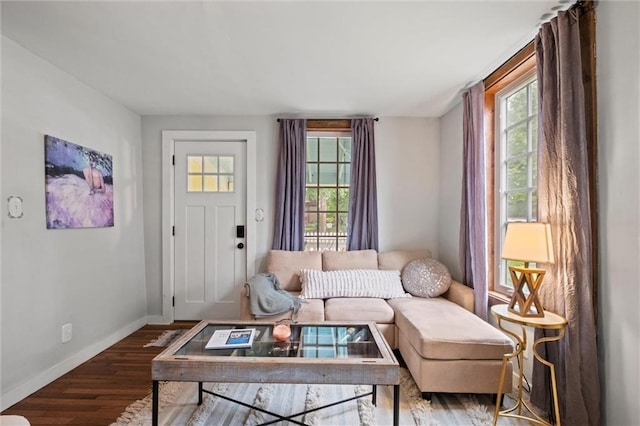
526, 305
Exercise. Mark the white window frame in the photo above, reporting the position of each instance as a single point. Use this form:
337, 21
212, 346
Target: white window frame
333, 134
500, 208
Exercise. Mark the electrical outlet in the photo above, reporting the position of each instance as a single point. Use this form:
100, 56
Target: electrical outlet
66, 332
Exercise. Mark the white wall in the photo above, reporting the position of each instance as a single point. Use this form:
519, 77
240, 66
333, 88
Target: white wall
407, 166
618, 71
450, 190
408, 175
93, 278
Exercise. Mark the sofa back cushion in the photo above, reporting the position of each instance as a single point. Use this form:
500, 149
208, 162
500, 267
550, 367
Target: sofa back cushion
286, 265
396, 260
357, 259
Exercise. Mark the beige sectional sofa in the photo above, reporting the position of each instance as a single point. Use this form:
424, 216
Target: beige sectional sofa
445, 346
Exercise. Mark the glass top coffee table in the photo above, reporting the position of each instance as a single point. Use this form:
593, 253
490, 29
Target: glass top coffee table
338, 353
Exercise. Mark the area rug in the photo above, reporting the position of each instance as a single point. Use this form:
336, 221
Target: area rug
178, 405
166, 338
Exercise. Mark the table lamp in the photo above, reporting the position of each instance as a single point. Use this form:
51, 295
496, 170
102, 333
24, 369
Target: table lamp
527, 242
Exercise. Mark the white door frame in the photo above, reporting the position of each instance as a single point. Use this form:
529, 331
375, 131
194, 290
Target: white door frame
169, 138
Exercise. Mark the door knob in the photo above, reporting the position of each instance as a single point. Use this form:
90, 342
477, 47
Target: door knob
240, 246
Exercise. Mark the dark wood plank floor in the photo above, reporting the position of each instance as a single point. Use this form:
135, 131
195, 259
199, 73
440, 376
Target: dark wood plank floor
96, 392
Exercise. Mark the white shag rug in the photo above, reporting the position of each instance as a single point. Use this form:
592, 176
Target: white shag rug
178, 405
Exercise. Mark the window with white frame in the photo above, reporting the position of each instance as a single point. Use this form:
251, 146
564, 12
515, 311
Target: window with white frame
327, 190
516, 158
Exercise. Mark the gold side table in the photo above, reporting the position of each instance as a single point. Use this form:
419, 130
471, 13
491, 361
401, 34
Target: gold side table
549, 321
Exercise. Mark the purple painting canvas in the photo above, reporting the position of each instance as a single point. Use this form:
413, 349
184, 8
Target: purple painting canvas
79, 185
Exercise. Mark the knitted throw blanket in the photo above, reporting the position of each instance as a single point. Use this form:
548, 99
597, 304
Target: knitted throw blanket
266, 298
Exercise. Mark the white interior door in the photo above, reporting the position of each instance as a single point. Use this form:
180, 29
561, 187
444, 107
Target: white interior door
210, 205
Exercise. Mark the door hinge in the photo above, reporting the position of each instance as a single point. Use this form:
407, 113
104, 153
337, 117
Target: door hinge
173, 301
173, 160
173, 231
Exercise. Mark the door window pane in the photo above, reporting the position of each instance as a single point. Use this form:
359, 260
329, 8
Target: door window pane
194, 164
226, 183
211, 164
226, 165
194, 183
210, 183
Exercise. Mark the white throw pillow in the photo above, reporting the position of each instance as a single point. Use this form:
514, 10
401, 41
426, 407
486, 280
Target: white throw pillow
351, 283
426, 278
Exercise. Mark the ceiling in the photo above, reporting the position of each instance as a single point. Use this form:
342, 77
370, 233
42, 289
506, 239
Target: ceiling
320, 58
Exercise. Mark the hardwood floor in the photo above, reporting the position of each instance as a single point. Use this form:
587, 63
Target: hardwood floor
96, 392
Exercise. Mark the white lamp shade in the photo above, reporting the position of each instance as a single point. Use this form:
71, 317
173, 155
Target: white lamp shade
528, 242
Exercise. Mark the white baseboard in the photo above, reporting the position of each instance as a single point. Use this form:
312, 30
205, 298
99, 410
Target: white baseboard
157, 320
25, 389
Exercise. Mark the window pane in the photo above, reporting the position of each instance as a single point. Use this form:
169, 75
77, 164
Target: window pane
534, 133
211, 183
328, 223
517, 106
194, 164
517, 172
343, 199
342, 223
534, 206
534, 170
328, 174
312, 149
310, 223
344, 175
310, 244
311, 199
195, 183
533, 93
312, 174
517, 140
328, 149
226, 165
342, 244
211, 164
327, 199
344, 149
226, 183
517, 206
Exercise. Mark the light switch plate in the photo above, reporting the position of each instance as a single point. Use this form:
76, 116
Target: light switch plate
15, 207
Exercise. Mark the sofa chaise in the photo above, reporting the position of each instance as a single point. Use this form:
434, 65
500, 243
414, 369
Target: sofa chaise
446, 347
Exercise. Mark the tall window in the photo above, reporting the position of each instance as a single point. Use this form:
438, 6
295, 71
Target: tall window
516, 156
327, 190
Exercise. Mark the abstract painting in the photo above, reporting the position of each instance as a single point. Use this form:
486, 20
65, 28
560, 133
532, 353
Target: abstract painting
79, 185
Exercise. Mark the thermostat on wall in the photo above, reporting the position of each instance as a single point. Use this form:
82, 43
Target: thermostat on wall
15, 207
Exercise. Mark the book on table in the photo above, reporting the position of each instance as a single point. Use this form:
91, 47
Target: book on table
231, 338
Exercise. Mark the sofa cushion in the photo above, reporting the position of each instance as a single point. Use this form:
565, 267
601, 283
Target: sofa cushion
351, 283
397, 259
358, 309
286, 265
357, 259
426, 278
440, 329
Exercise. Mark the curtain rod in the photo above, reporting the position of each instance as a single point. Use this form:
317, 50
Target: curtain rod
330, 119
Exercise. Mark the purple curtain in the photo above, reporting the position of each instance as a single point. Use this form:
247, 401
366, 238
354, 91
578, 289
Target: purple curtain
563, 202
362, 232
290, 181
473, 234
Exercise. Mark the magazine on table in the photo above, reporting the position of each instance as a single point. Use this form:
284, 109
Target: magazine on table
231, 338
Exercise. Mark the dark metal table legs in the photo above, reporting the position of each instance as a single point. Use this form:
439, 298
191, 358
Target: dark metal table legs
154, 404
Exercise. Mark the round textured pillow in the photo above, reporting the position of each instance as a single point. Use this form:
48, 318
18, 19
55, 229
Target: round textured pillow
426, 278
